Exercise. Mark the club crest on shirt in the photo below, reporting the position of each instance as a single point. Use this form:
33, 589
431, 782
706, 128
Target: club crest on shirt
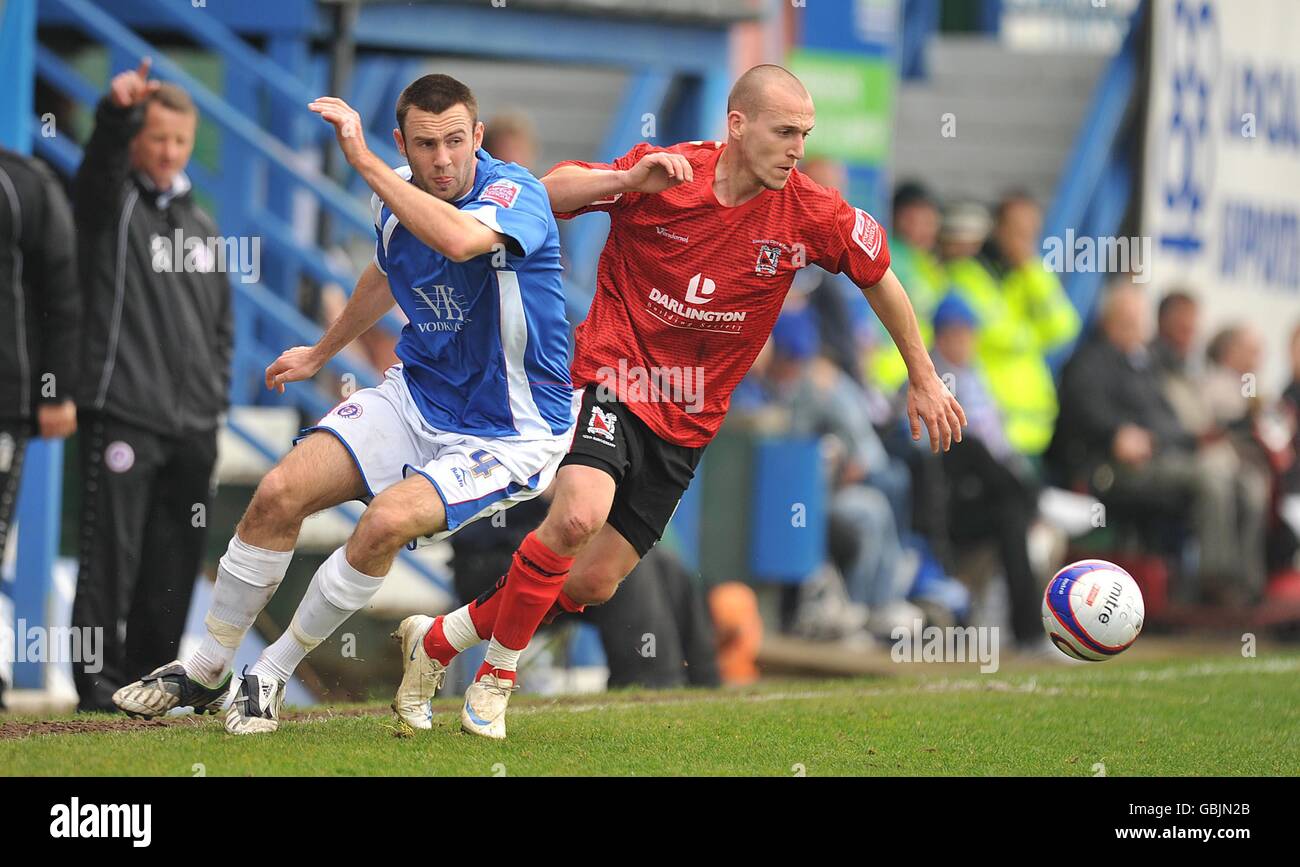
769, 259
349, 410
119, 456
502, 192
866, 234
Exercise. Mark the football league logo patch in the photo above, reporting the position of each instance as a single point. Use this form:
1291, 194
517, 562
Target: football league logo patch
349, 410
866, 234
502, 193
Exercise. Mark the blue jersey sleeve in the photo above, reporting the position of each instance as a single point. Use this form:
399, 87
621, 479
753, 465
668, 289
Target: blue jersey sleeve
517, 208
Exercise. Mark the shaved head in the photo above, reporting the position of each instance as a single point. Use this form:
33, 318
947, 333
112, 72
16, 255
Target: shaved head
769, 114
753, 90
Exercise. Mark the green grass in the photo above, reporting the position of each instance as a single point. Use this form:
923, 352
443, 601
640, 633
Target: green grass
1203, 716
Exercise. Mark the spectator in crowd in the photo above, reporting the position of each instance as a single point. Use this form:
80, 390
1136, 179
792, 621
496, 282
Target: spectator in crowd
1233, 355
1233, 360
1173, 357
962, 232
870, 490
1118, 436
912, 246
40, 321
1291, 407
989, 499
155, 379
512, 138
1024, 315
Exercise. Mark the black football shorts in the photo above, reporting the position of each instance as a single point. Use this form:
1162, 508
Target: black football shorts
651, 473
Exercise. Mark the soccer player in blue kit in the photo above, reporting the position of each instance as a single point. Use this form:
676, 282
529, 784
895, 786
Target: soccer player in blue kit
475, 418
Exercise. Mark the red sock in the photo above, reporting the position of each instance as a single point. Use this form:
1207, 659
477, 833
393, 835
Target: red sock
437, 645
564, 604
486, 669
483, 610
532, 585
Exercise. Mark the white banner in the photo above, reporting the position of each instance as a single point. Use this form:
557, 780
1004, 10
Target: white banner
1222, 165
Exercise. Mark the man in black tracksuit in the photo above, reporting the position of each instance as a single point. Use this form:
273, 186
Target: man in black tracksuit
155, 380
40, 318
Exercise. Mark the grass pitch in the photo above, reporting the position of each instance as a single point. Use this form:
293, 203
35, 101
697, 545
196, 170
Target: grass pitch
1203, 716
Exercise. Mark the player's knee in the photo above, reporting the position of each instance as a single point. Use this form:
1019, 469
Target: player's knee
576, 527
276, 503
381, 529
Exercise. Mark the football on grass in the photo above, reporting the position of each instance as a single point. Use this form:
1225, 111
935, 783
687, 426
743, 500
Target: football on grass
1092, 610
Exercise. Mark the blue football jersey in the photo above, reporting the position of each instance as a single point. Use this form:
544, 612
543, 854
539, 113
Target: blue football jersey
486, 348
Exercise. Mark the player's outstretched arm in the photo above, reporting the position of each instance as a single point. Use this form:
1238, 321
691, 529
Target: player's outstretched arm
444, 227
572, 188
370, 300
928, 400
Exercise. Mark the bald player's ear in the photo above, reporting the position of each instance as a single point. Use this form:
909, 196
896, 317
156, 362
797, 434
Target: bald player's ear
735, 123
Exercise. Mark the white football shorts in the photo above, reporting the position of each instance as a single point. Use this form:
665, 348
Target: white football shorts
389, 439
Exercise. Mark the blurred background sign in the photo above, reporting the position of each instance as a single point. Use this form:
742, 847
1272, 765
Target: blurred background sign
1222, 194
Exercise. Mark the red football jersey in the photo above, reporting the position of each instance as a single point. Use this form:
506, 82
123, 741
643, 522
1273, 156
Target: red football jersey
688, 290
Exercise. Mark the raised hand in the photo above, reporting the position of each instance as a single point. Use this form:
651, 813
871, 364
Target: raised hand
133, 86
348, 128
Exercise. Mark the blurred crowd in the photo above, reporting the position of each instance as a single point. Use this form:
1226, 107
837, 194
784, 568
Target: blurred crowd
1140, 438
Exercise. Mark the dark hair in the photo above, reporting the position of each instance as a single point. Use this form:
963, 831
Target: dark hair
173, 97
1173, 299
435, 94
911, 193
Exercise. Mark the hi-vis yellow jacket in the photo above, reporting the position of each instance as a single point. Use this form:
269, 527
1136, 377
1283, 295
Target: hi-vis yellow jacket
1024, 315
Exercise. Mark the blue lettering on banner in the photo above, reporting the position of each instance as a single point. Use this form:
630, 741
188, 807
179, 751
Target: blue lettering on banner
1261, 244
1271, 94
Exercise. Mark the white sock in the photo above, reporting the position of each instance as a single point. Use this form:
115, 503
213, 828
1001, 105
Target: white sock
458, 626
337, 591
500, 656
247, 577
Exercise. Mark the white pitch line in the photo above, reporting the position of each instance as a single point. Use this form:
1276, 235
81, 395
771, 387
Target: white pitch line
1030, 686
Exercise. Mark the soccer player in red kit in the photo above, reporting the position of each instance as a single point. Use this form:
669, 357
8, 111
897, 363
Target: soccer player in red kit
705, 239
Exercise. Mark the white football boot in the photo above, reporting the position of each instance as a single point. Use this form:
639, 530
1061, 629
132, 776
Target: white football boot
484, 713
255, 708
421, 675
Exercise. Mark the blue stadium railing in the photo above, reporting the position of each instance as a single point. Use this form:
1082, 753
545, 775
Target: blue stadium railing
1096, 182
